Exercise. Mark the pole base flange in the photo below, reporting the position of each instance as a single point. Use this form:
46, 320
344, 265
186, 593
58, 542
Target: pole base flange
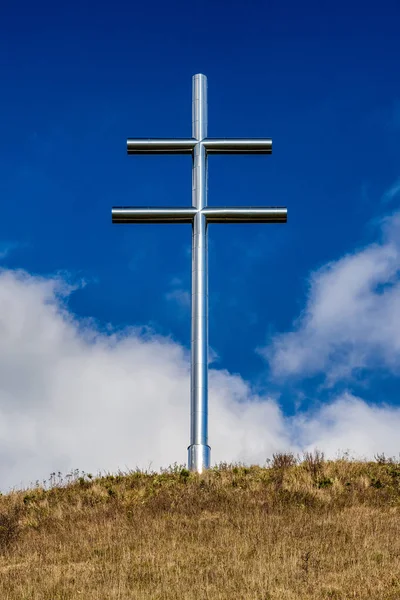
199, 457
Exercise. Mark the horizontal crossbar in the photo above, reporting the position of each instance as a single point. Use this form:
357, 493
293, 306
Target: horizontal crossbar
143, 214
238, 146
236, 214
212, 146
160, 146
244, 214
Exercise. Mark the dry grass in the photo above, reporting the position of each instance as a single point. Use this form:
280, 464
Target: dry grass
295, 530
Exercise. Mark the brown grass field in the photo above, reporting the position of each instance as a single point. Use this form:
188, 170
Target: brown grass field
297, 529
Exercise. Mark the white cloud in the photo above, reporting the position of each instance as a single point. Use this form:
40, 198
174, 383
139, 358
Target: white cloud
7, 247
351, 320
349, 423
392, 192
181, 297
72, 396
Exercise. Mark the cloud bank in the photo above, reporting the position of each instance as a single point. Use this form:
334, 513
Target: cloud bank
73, 395
351, 321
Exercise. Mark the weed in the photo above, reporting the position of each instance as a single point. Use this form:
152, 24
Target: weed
283, 460
314, 463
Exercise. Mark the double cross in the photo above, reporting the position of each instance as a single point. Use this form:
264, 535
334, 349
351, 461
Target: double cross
199, 215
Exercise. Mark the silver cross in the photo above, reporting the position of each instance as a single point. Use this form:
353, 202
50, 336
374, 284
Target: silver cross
199, 215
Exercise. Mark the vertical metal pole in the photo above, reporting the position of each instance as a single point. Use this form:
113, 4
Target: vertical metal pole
199, 450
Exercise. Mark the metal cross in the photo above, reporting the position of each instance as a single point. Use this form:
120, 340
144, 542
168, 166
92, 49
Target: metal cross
199, 215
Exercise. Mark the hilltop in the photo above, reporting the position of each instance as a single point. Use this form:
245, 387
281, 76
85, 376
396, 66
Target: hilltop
306, 529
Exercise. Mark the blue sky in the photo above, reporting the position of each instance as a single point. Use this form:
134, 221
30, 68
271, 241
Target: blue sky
322, 81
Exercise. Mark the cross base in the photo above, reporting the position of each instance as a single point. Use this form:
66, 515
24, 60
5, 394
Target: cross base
199, 457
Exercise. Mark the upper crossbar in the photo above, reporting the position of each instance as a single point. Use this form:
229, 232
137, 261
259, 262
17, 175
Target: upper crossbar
212, 145
214, 214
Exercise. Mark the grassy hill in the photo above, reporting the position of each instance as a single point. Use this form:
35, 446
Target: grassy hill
297, 529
